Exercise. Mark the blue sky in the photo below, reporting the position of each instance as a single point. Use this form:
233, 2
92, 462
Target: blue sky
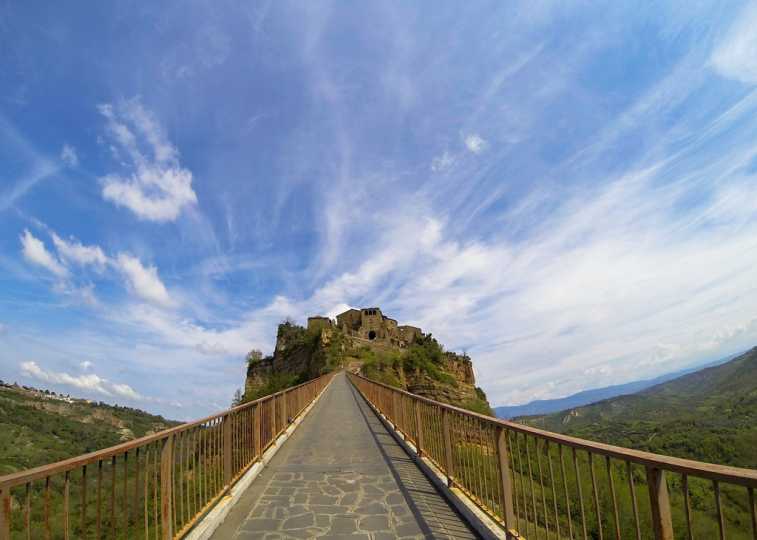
566, 191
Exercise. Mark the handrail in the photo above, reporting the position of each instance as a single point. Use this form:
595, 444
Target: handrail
482, 456
167, 480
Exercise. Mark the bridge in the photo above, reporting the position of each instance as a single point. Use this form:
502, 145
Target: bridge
345, 457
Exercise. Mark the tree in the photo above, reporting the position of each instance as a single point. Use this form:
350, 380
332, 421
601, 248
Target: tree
254, 356
237, 398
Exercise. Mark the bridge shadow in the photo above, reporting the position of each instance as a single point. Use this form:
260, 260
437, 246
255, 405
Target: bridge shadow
431, 510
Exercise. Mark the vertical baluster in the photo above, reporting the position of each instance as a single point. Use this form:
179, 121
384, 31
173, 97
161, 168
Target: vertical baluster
634, 504
5, 513
28, 511
719, 508
166, 488
522, 484
155, 522
66, 489
147, 493
565, 489
541, 483
616, 514
126, 494
98, 527
83, 502
554, 492
753, 512
531, 486
137, 486
447, 445
687, 504
180, 450
258, 431
596, 495
48, 530
580, 493
418, 427
227, 449
113, 496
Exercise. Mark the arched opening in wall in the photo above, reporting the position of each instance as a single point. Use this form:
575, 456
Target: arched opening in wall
372, 335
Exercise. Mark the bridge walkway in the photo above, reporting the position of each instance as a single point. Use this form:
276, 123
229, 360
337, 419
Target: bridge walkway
342, 475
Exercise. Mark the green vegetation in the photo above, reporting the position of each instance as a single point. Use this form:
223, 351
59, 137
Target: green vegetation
39, 427
275, 383
710, 415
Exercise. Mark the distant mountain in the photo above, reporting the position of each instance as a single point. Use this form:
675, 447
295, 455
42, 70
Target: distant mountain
39, 427
709, 415
547, 406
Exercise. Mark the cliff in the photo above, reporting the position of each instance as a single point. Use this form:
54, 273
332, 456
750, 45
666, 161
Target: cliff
374, 346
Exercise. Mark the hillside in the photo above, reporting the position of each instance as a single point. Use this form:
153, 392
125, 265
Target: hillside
39, 427
709, 415
586, 397
373, 344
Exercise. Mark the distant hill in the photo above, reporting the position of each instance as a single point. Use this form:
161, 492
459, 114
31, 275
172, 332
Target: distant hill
39, 427
547, 406
709, 415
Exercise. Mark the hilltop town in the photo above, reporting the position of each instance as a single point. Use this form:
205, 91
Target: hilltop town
368, 342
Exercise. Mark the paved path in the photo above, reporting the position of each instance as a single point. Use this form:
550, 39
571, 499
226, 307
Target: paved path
342, 475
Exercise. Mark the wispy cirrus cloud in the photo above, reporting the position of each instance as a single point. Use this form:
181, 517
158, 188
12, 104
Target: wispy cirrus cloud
736, 56
155, 187
143, 280
35, 252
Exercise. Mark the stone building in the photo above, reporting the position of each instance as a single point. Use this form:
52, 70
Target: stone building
371, 325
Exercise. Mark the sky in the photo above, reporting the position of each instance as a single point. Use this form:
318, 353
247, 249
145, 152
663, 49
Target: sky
565, 191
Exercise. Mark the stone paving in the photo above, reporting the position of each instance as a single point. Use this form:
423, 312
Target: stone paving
342, 475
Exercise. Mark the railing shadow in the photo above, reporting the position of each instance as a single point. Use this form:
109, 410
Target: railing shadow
437, 518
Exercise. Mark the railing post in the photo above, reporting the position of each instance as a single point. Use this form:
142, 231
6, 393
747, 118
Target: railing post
418, 428
660, 503
166, 488
5, 514
447, 445
505, 479
227, 450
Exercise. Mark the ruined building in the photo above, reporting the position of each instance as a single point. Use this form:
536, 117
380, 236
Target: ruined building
369, 324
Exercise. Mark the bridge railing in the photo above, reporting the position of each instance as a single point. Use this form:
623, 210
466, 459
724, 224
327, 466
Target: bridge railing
157, 486
539, 484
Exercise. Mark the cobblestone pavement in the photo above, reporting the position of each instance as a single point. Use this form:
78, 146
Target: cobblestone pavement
342, 475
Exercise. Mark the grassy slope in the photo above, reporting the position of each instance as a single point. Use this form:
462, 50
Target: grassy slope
710, 415
35, 430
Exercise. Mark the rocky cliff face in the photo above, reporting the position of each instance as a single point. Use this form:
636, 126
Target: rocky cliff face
422, 367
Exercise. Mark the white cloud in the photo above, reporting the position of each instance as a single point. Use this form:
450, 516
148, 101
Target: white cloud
89, 382
475, 143
157, 188
736, 56
74, 251
85, 365
35, 252
144, 280
443, 162
68, 155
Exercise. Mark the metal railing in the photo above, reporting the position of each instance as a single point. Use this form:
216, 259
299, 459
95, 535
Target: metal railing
158, 486
539, 484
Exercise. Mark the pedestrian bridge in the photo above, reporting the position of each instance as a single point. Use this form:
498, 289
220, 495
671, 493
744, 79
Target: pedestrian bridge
345, 457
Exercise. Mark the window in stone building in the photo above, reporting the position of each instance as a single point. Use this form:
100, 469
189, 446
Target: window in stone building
371, 335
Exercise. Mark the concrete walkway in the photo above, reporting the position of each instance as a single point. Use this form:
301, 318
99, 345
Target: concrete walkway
342, 475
